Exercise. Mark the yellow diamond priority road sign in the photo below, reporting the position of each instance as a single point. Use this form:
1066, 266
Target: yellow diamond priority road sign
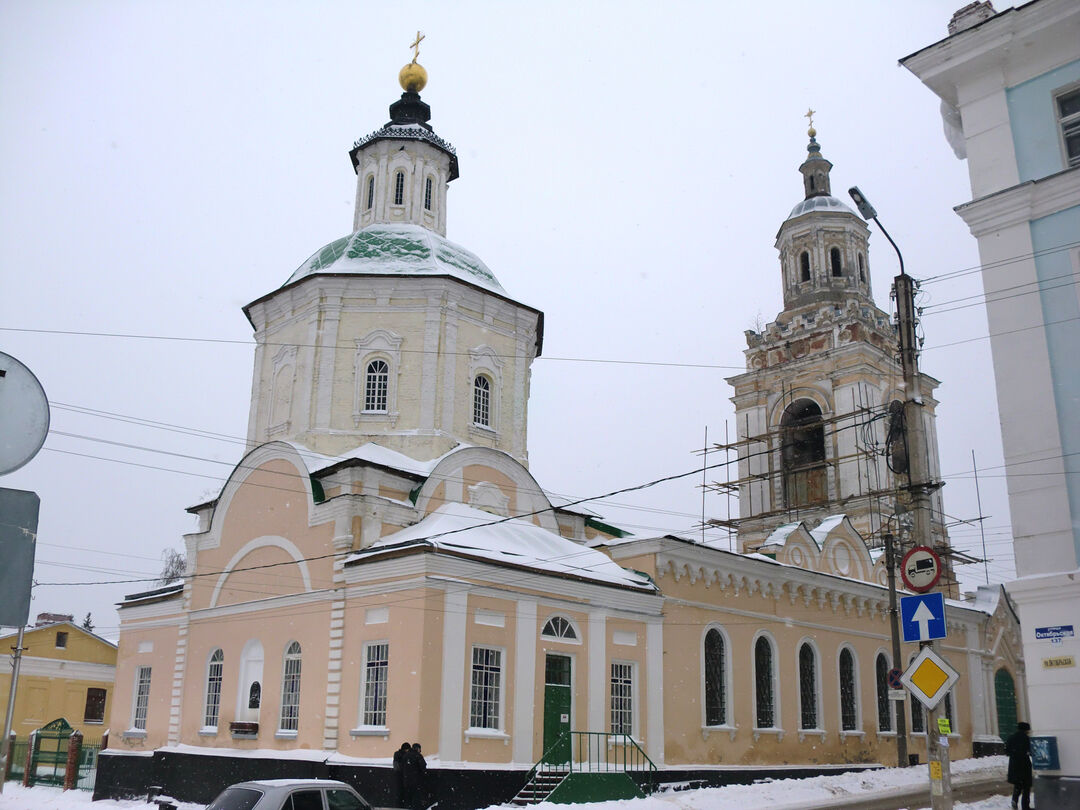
929, 678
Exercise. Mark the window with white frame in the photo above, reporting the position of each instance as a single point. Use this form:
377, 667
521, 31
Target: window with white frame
482, 401
764, 684
715, 679
370, 191
376, 669
849, 706
1068, 113
881, 679
376, 385
808, 687
427, 194
290, 689
214, 670
622, 698
485, 696
142, 698
559, 627
399, 188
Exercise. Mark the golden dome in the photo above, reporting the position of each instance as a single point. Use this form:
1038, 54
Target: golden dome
412, 77
811, 132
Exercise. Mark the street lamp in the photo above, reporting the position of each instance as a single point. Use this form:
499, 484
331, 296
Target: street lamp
868, 212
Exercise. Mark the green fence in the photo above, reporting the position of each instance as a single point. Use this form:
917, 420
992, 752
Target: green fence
88, 758
17, 758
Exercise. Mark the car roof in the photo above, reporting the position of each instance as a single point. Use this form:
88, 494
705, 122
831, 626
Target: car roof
287, 783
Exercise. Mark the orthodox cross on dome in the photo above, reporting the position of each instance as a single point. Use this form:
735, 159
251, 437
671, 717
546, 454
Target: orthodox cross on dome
810, 117
416, 46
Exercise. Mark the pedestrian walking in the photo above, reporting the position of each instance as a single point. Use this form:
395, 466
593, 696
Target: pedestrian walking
399, 773
1018, 747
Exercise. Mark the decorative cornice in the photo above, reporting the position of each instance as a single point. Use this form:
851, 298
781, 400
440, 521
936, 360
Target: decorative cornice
1022, 203
405, 133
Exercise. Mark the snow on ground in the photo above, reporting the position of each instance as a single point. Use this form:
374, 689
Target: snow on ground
817, 793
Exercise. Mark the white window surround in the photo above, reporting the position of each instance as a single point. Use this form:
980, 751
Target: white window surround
140, 699
1068, 126
855, 687
776, 727
499, 688
291, 671
379, 344
817, 728
628, 670
215, 670
283, 378
374, 677
484, 360
729, 707
482, 402
574, 636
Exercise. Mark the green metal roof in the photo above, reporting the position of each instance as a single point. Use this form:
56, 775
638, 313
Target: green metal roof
398, 250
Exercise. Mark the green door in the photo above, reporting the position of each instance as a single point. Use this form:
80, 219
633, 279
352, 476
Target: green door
557, 691
1005, 695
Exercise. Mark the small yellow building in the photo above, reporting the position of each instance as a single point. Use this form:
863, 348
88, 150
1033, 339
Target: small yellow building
67, 672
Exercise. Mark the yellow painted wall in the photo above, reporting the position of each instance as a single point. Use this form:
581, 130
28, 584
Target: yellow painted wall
54, 680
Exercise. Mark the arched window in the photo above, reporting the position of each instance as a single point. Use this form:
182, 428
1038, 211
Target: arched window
370, 191
808, 687
804, 266
482, 401
849, 707
803, 454
834, 262
881, 680
427, 194
862, 268
715, 679
399, 188
1005, 698
376, 383
290, 688
559, 627
764, 684
214, 670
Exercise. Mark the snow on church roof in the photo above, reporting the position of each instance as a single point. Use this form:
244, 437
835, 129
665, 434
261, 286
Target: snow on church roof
457, 528
398, 249
824, 202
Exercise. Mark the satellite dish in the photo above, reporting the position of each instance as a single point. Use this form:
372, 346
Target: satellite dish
24, 414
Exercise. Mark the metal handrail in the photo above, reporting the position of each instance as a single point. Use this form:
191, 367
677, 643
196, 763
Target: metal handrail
592, 752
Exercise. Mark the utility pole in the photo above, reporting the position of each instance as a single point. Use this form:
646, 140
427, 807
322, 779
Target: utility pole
5, 744
894, 626
919, 486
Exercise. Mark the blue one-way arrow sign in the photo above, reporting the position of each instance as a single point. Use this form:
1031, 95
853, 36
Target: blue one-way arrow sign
922, 616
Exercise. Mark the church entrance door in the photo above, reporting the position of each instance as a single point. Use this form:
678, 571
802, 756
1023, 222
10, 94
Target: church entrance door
557, 699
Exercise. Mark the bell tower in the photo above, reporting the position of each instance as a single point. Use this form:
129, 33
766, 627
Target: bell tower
813, 406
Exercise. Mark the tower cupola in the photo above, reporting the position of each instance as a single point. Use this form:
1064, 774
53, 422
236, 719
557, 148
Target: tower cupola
404, 168
815, 169
822, 243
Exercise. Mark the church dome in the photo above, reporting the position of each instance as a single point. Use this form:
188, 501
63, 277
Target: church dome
392, 249
825, 202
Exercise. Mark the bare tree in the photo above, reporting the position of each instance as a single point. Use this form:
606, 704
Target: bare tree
173, 566
88, 623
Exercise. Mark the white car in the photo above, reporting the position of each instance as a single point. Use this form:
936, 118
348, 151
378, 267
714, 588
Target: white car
289, 794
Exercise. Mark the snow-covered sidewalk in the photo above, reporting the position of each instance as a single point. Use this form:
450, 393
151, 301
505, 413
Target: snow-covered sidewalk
817, 793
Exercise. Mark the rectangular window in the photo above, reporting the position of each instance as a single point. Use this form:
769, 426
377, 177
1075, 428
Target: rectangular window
376, 668
61, 640
622, 698
486, 693
1068, 110
95, 706
142, 698
427, 194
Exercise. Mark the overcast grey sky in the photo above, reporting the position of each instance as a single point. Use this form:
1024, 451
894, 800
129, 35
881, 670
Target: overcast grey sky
624, 168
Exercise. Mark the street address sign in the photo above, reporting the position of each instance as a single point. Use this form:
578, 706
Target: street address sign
920, 569
922, 617
930, 677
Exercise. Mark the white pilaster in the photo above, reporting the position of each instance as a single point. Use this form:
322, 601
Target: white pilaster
524, 681
455, 608
597, 670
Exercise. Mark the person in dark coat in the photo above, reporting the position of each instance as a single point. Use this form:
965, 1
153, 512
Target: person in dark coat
1018, 747
414, 769
399, 772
